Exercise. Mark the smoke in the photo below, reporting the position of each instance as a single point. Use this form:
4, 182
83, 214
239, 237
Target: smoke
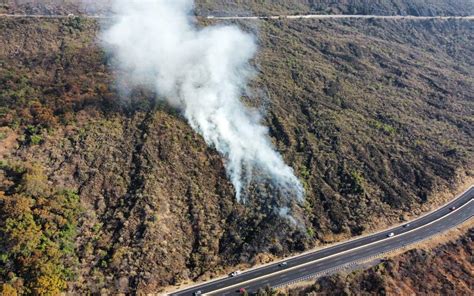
203, 72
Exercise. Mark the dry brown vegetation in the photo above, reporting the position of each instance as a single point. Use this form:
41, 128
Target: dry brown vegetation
383, 7
374, 116
443, 270
264, 7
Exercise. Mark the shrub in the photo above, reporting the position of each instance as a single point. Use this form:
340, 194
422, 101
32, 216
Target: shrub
8, 290
49, 285
34, 181
36, 139
33, 135
357, 182
38, 230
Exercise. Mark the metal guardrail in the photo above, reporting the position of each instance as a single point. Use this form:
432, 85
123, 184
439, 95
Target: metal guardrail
362, 260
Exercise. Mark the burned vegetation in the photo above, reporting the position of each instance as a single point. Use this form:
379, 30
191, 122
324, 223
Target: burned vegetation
117, 193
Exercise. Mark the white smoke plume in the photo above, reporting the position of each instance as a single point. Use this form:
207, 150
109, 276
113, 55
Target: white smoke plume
203, 72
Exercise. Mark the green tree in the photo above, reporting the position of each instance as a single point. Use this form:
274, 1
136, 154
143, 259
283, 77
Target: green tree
37, 234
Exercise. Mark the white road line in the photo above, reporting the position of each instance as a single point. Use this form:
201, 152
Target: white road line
311, 252
339, 16
343, 252
274, 17
52, 16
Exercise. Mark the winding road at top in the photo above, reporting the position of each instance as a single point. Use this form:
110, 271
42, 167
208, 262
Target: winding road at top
274, 17
340, 16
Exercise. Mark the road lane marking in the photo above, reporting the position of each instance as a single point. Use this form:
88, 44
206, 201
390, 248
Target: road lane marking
339, 260
273, 17
339, 16
343, 252
369, 244
339, 244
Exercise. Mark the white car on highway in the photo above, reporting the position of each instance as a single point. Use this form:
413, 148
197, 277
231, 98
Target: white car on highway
235, 273
391, 234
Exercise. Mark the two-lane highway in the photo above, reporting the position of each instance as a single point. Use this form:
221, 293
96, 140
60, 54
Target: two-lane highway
320, 261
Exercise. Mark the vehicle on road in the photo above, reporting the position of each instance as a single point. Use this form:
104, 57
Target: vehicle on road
197, 293
452, 208
242, 291
276, 275
283, 264
235, 273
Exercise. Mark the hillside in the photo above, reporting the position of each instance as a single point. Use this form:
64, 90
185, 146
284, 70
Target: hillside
384, 7
444, 270
374, 116
247, 7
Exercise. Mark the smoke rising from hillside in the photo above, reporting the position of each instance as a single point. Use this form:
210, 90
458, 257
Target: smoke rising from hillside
203, 72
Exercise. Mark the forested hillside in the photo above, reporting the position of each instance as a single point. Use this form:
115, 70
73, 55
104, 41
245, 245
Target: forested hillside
265, 7
106, 192
383, 7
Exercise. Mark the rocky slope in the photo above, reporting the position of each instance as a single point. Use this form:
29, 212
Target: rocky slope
374, 116
444, 270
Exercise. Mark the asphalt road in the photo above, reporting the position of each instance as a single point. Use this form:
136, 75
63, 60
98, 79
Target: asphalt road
344, 254
340, 16
274, 17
